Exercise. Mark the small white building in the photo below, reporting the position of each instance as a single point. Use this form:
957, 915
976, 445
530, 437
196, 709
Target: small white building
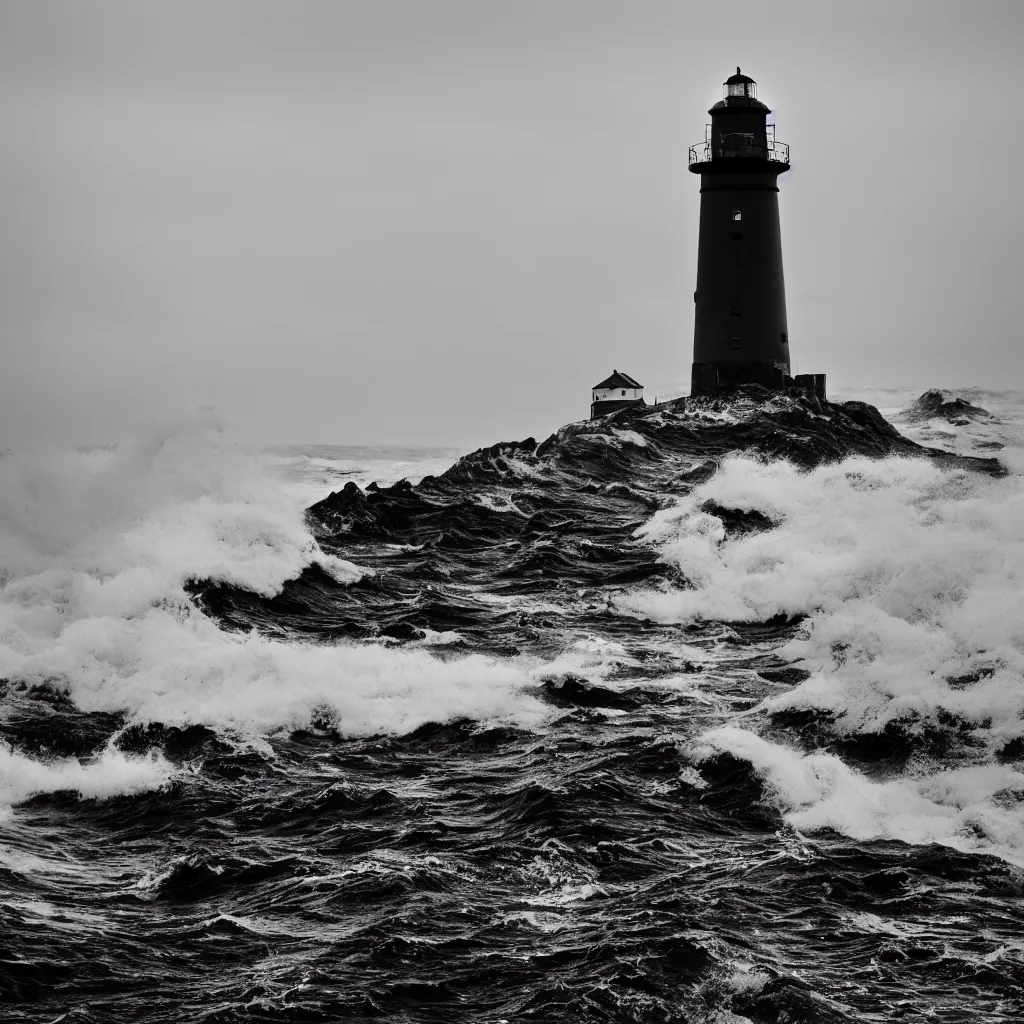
615, 392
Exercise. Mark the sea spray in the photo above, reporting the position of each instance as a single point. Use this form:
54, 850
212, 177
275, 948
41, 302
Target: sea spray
98, 548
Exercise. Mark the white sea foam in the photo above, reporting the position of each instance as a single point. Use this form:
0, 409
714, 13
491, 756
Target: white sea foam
910, 576
630, 437
111, 774
96, 549
975, 808
497, 502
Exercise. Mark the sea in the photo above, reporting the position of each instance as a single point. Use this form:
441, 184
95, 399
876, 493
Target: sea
713, 715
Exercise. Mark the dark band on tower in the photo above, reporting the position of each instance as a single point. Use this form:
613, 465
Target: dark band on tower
740, 334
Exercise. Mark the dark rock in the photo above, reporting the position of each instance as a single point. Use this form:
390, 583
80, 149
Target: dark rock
522, 518
738, 522
936, 404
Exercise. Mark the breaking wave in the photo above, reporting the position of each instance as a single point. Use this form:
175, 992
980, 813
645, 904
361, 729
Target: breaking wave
98, 549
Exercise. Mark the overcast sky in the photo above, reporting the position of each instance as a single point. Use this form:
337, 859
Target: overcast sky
441, 221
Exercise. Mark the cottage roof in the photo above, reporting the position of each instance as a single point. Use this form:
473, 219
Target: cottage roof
618, 380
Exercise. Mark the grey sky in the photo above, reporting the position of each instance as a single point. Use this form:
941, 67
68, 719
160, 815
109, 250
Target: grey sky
441, 221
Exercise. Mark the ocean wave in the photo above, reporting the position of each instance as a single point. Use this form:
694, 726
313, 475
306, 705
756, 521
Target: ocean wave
706, 712
975, 808
109, 775
906, 576
98, 550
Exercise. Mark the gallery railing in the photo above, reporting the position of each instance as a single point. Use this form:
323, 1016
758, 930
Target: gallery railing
705, 152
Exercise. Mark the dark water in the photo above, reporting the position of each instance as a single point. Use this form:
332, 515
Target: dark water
655, 820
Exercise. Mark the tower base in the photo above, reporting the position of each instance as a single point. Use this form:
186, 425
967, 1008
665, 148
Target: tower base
706, 378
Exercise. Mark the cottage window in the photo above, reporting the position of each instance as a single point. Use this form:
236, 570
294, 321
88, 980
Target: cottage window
623, 394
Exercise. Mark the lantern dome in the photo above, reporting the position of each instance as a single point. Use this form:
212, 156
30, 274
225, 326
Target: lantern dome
740, 85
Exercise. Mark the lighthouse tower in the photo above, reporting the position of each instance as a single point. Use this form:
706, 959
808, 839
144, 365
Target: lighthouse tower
740, 331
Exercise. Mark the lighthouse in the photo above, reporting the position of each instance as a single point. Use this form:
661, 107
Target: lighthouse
740, 334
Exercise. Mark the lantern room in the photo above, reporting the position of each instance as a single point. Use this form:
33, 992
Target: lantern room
740, 85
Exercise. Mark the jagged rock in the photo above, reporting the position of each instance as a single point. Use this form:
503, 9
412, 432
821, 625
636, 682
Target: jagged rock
555, 520
936, 404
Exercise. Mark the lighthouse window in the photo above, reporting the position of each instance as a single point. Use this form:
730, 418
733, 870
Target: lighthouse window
737, 215
735, 342
737, 236
736, 312
785, 338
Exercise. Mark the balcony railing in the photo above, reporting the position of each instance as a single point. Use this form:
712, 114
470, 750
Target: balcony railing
705, 152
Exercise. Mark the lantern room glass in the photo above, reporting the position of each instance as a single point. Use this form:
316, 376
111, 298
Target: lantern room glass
741, 89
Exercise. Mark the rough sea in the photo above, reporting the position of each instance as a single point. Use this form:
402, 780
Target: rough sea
710, 714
